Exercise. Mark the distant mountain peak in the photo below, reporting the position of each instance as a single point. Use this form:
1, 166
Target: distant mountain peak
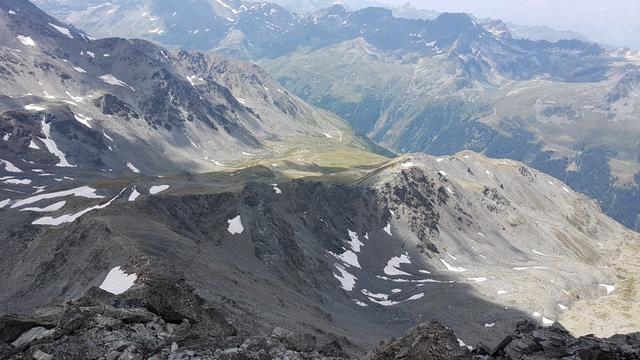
457, 21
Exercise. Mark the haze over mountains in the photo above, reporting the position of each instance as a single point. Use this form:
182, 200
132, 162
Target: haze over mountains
174, 204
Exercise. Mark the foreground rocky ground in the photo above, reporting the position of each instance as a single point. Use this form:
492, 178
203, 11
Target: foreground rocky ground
167, 320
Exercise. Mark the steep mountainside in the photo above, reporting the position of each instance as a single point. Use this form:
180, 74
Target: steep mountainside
70, 102
474, 242
439, 86
180, 205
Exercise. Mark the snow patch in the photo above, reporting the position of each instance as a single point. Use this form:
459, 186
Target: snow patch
276, 189
84, 191
133, 168
63, 30
387, 229
8, 166
112, 80
195, 80
17, 181
477, 280
462, 344
359, 303
450, 267
34, 107
118, 281
347, 281
69, 218
235, 225
33, 145
547, 322
134, 195
156, 189
84, 120
348, 257
51, 208
26, 40
53, 147
355, 243
609, 288
392, 268
530, 267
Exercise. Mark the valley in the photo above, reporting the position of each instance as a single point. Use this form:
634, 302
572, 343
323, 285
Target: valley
470, 191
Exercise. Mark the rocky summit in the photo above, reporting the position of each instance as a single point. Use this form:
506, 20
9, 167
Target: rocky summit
163, 203
178, 324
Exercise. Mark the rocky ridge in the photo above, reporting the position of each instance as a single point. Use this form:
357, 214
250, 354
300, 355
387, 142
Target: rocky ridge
177, 324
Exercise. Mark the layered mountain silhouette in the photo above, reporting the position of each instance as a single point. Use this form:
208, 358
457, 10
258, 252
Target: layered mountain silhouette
172, 204
436, 83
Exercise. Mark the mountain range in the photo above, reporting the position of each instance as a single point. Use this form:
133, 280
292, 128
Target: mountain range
171, 204
567, 108
439, 86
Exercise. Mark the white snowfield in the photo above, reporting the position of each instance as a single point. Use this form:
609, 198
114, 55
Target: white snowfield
63, 30
387, 302
51, 208
235, 225
451, 267
17, 181
26, 40
350, 257
69, 218
53, 147
134, 195
133, 168
156, 189
118, 281
84, 120
112, 80
392, 268
387, 229
84, 191
8, 166
355, 243
34, 107
347, 280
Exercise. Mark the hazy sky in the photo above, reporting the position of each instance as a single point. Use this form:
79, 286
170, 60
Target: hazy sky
615, 22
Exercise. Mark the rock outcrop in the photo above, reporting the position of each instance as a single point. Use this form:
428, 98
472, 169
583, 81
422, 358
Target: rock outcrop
529, 341
164, 321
